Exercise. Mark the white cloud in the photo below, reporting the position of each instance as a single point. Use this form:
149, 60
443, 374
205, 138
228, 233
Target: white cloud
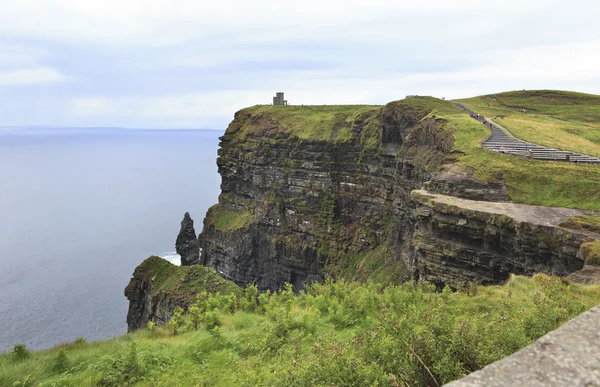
30, 76
92, 106
20, 65
152, 22
194, 63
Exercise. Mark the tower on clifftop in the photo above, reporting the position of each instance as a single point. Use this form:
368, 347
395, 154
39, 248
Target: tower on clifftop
278, 99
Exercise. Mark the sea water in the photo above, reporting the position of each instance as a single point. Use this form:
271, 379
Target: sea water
79, 210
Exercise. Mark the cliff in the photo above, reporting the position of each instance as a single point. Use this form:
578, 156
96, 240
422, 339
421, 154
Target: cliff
318, 191
458, 241
158, 286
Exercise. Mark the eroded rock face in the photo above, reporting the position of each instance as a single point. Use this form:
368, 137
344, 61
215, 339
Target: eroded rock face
186, 244
146, 303
324, 208
317, 204
158, 286
458, 241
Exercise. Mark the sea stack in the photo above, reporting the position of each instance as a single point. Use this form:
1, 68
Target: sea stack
187, 243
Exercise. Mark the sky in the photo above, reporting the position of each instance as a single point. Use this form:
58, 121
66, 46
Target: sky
194, 63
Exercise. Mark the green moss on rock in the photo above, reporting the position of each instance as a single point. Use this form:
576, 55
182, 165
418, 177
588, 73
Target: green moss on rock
583, 222
225, 219
591, 253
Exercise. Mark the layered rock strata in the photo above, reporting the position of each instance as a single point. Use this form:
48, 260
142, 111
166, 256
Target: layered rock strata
458, 241
296, 206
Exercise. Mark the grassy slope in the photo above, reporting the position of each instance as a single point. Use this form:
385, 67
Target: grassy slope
325, 123
558, 119
334, 334
529, 181
228, 220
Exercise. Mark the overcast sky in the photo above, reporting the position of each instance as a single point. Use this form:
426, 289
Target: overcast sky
193, 63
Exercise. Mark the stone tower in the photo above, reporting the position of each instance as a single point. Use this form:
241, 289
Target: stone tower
278, 99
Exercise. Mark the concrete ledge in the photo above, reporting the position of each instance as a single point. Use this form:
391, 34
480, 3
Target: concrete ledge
567, 356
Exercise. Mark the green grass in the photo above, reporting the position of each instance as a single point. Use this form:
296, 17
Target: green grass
180, 282
528, 181
583, 222
331, 123
557, 119
337, 333
224, 219
535, 182
591, 253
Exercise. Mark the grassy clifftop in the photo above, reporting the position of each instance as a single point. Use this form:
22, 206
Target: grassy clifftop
318, 123
535, 182
557, 119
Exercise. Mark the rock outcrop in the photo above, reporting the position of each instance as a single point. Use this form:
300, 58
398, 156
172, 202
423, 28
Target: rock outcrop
186, 244
158, 286
458, 241
298, 205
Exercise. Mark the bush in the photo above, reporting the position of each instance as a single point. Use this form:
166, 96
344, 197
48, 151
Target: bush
249, 302
125, 369
151, 326
212, 320
80, 340
60, 362
20, 351
177, 321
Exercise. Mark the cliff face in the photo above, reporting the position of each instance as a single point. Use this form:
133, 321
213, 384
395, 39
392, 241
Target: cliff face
158, 286
458, 241
295, 208
297, 205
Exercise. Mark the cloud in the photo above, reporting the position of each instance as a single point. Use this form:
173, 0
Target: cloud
30, 76
188, 63
20, 65
162, 22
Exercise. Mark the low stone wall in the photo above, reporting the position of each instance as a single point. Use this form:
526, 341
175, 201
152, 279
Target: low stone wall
567, 356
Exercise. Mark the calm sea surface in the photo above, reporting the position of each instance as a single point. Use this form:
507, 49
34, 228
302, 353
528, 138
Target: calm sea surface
79, 210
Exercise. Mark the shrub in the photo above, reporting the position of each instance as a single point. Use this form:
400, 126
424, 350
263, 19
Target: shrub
211, 319
20, 351
151, 326
60, 362
177, 321
80, 340
250, 298
123, 370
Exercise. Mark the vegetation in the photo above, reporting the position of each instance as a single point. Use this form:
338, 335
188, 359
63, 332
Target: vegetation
583, 222
181, 282
558, 119
318, 123
591, 251
537, 182
224, 219
335, 334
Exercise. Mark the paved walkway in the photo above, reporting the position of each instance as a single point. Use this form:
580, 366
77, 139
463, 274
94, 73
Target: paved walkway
501, 140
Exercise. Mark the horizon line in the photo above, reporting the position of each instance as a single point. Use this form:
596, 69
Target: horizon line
61, 127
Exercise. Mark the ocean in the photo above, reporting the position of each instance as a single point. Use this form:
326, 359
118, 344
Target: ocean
79, 210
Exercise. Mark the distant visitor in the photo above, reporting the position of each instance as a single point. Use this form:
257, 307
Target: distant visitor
278, 99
